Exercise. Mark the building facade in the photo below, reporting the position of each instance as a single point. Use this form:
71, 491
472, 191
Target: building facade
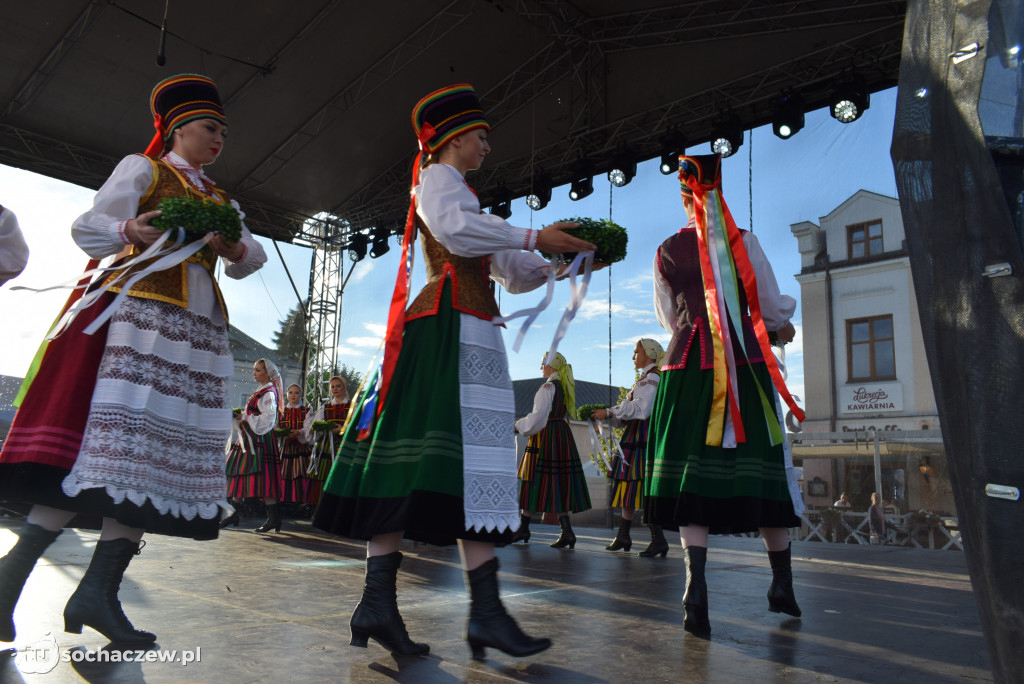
864, 358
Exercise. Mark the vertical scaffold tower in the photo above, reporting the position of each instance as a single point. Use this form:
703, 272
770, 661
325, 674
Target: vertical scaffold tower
323, 320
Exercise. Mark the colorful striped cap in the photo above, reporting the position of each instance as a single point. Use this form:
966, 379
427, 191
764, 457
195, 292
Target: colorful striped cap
446, 113
186, 97
706, 168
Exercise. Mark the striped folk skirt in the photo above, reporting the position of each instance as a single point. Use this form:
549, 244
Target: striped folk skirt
627, 471
551, 475
253, 466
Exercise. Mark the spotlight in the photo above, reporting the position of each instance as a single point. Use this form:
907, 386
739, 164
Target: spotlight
671, 147
502, 208
789, 116
541, 195
849, 100
581, 187
357, 247
727, 138
622, 172
380, 245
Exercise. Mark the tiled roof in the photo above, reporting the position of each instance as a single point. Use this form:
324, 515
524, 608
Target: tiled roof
586, 393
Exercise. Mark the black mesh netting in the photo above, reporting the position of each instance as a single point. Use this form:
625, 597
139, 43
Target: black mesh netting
958, 222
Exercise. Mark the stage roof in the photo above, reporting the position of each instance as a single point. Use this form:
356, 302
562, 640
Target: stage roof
319, 92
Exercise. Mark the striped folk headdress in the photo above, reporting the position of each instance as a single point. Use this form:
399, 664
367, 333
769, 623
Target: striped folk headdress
445, 114
179, 99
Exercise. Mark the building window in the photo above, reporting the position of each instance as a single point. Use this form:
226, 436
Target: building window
870, 349
864, 239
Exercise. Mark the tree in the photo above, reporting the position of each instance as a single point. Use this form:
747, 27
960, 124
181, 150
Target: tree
290, 337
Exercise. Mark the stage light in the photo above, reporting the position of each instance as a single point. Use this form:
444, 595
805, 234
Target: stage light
727, 138
539, 198
502, 209
788, 116
849, 100
623, 172
380, 245
581, 187
357, 247
671, 147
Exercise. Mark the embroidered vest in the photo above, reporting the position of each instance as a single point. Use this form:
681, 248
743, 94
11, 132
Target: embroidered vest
293, 417
472, 289
558, 407
336, 413
171, 285
679, 263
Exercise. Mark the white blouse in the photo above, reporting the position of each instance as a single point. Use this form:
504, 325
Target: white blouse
535, 421
267, 419
13, 250
100, 231
315, 415
639, 403
452, 213
776, 308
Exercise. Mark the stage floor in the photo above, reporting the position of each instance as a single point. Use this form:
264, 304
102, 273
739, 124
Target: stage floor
275, 607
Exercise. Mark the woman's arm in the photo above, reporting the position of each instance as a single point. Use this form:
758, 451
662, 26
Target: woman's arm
265, 421
518, 271
101, 231
640, 406
776, 308
535, 421
253, 256
664, 302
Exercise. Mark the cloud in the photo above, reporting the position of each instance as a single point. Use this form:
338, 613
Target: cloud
644, 282
364, 342
362, 269
378, 329
598, 308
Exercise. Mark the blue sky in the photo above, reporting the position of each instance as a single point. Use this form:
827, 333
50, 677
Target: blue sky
793, 180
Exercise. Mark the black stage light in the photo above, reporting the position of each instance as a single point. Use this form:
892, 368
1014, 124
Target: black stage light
502, 209
357, 247
541, 195
849, 100
622, 172
671, 147
727, 138
788, 116
380, 245
581, 187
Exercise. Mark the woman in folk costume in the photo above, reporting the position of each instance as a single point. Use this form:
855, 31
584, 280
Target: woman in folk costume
254, 461
627, 470
294, 449
716, 461
428, 470
324, 442
136, 434
551, 476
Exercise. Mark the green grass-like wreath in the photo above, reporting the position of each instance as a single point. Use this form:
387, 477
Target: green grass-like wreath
584, 411
282, 431
609, 237
322, 426
199, 217
236, 411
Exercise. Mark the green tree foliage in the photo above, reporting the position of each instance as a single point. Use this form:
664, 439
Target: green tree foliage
290, 337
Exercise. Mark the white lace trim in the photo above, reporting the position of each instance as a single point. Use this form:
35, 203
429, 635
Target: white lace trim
792, 478
487, 407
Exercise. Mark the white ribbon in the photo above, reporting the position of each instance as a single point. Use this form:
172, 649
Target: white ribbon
598, 448
531, 312
578, 294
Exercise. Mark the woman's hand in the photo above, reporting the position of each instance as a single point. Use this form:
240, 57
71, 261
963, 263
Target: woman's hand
554, 240
232, 251
599, 414
786, 333
138, 230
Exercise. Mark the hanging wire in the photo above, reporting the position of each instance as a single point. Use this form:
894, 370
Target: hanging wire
750, 181
611, 190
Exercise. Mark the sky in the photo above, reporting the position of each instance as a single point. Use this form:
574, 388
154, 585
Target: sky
777, 182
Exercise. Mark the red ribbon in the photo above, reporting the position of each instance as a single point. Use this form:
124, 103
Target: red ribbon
156, 145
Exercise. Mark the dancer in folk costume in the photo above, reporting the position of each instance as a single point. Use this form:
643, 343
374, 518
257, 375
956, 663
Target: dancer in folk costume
716, 458
254, 461
136, 434
294, 449
627, 470
551, 475
325, 441
442, 471
13, 250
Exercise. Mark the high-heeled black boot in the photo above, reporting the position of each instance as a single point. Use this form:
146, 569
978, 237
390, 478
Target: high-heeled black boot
15, 568
95, 603
622, 539
695, 596
377, 617
780, 594
273, 519
232, 519
567, 537
658, 544
489, 623
523, 533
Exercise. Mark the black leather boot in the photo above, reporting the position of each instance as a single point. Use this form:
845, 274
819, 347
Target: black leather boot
232, 519
695, 596
377, 617
489, 624
780, 594
523, 533
658, 544
622, 540
273, 519
15, 568
95, 604
567, 537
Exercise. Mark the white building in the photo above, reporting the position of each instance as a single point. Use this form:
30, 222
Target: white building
864, 357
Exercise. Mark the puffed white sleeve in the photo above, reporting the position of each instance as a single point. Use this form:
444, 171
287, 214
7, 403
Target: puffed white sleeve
13, 250
307, 425
776, 308
266, 420
100, 231
452, 213
664, 302
535, 421
519, 271
253, 258
642, 403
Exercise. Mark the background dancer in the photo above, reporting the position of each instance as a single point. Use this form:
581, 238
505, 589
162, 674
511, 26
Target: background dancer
136, 434
325, 442
294, 449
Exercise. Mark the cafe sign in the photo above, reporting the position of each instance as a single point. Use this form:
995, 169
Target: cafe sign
871, 397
